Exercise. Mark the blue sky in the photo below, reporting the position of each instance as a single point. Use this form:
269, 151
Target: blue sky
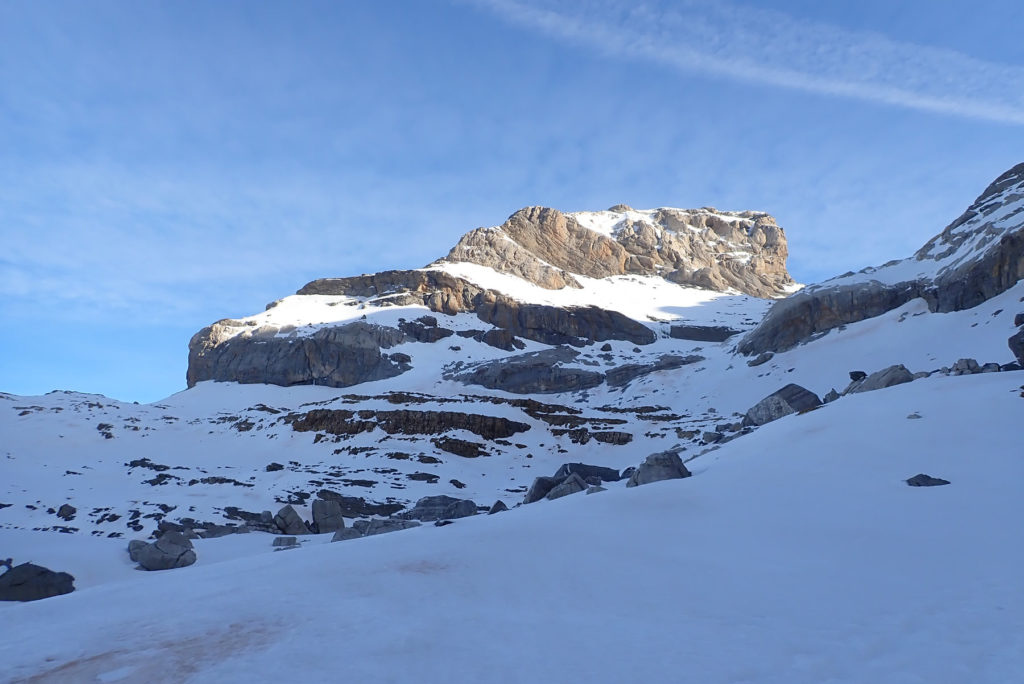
167, 164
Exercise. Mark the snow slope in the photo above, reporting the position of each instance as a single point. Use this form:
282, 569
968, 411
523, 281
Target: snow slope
795, 554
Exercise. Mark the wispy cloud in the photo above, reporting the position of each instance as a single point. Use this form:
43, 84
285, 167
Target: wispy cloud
773, 48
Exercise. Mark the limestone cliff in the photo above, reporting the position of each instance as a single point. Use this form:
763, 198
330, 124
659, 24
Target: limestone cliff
742, 251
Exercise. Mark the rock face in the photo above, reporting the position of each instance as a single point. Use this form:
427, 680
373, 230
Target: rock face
978, 256
172, 550
30, 582
745, 251
537, 372
790, 399
338, 357
665, 465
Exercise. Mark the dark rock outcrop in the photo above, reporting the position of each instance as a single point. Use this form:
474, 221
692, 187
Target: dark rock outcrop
922, 480
338, 356
978, 256
623, 375
702, 333
357, 506
790, 399
1016, 344
30, 582
369, 528
404, 422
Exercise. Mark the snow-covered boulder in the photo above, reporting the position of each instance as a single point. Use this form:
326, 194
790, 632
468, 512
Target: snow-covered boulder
172, 550
30, 582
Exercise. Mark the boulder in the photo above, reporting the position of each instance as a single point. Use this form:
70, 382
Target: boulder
171, 550
289, 522
572, 484
922, 480
595, 489
1016, 344
540, 372
664, 465
67, 512
587, 471
990, 368
439, 507
763, 357
790, 399
831, 396
327, 516
1018, 320
540, 488
30, 582
857, 375
966, 367
887, 377
498, 507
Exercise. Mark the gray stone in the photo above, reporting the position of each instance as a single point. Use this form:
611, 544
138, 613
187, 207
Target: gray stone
285, 542
995, 265
540, 488
30, 582
171, 550
327, 516
587, 471
595, 489
965, 367
498, 507
1018, 320
345, 534
990, 368
887, 377
573, 484
439, 507
790, 399
135, 546
1016, 344
67, 512
831, 396
922, 480
289, 522
665, 465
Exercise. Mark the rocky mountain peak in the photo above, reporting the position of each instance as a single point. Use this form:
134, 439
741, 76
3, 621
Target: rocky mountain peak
741, 251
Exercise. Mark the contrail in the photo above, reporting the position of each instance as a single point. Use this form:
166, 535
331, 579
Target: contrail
772, 48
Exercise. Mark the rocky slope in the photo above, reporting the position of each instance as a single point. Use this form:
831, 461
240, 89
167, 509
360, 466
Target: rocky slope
536, 248
977, 256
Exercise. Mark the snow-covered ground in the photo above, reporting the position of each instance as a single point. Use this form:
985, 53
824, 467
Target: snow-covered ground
796, 554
